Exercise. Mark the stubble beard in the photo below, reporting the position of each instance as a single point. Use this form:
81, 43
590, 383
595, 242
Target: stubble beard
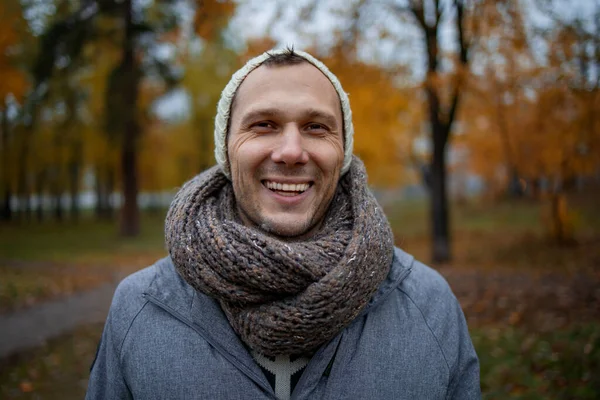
300, 230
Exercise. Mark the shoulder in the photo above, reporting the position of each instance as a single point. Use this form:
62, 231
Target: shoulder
426, 287
428, 291
129, 292
129, 300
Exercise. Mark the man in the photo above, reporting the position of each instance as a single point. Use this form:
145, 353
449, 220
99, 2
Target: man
283, 281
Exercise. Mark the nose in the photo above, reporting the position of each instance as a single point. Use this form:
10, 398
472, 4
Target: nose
290, 149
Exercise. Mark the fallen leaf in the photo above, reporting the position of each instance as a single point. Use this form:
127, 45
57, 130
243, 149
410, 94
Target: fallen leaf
26, 387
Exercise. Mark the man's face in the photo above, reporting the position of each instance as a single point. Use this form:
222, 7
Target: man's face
285, 148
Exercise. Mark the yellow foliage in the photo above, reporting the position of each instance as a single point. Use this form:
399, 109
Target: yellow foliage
212, 16
13, 80
257, 46
376, 104
173, 152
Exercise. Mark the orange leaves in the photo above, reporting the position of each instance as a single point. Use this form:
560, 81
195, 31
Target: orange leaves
376, 105
26, 387
13, 79
212, 16
257, 46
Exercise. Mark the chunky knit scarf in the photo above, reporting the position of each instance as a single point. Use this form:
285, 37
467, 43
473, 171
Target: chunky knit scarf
281, 297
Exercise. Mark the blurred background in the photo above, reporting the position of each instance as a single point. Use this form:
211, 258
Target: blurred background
478, 121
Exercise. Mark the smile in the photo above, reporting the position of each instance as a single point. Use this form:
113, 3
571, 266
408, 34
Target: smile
287, 189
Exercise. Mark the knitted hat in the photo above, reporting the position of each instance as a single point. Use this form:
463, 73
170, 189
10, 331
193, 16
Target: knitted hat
224, 106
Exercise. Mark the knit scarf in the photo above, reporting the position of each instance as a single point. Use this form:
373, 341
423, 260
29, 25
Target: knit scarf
282, 297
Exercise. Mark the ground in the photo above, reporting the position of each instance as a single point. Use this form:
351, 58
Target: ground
533, 307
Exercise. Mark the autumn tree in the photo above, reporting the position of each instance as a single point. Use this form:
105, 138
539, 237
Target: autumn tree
210, 17
429, 16
509, 68
537, 110
574, 62
13, 86
136, 31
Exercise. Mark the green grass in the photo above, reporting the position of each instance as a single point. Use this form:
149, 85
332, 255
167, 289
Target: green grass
85, 240
411, 218
525, 365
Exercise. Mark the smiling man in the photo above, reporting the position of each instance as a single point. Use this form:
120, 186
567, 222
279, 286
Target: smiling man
283, 280
285, 148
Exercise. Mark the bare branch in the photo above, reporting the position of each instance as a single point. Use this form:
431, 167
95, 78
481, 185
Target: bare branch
462, 43
418, 12
453, 106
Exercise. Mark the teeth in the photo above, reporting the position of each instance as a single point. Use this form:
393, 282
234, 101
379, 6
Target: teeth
287, 187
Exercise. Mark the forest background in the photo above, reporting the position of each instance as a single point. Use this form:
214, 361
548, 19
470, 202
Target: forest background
478, 122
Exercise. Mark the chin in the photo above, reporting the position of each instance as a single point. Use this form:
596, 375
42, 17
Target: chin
286, 229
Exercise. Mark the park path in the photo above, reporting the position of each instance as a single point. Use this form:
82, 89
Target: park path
28, 328
544, 300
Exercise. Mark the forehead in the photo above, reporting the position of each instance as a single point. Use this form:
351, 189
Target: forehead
299, 83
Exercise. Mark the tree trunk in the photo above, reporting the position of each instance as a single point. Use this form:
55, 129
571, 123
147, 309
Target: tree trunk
6, 213
23, 189
439, 198
441, 118
74, 178
101, 194
74, 193
130, 218
5, 208
105, 186
130, 224
58, 210
39, 189
110, 190
562, 231
515, 189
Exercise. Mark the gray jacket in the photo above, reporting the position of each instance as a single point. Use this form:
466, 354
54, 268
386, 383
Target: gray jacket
164, 340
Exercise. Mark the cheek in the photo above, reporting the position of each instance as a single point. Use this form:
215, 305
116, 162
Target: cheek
245, 157
236, 164
330, 157
236, 152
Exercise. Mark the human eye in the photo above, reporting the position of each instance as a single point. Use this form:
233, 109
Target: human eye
316, 127
263, 126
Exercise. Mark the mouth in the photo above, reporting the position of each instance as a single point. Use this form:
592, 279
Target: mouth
287, 189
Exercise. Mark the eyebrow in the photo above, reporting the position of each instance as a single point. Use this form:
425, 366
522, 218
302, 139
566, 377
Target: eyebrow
310, 114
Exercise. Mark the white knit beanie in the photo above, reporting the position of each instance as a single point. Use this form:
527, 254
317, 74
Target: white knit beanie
224, 106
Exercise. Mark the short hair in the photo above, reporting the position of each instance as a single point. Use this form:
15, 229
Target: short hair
287, 58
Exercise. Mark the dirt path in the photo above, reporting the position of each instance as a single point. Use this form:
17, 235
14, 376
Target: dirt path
30, 327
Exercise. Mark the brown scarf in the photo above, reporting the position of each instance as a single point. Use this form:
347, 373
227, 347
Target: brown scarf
281, 297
